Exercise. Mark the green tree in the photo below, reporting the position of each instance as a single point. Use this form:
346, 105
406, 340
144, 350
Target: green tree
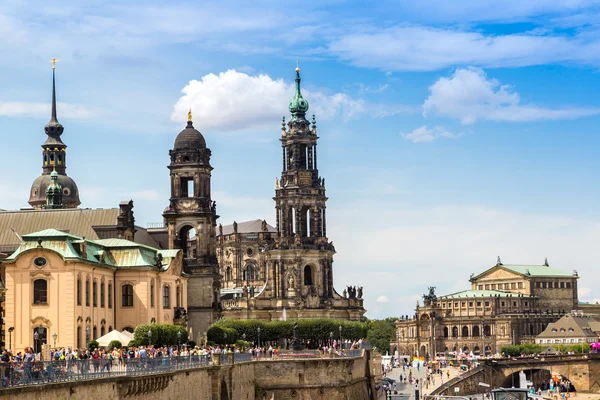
381, 332
114, 344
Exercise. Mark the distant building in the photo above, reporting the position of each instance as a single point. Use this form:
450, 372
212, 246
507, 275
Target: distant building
507, 304
80, 289
572, 328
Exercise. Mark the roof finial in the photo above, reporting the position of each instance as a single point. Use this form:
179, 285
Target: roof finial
190, 115
54, 61
297, 66
499, 262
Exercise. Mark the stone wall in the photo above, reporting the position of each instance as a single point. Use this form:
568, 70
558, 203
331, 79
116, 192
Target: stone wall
305, 379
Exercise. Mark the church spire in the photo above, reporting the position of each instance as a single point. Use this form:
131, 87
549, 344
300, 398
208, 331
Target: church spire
54, 128
298, 105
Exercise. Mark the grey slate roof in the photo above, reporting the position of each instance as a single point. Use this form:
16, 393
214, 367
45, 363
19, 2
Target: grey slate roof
253, 226
91, 223
572, 326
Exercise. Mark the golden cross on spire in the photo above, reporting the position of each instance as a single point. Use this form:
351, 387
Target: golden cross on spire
54, 61
190, 115
297, 67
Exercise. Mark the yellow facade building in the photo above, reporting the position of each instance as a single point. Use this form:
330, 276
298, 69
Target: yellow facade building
69, 289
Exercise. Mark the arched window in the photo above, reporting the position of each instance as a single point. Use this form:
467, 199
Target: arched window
127, 296
102, 330
87, 292
476, 330
110, 294
465, 331
95, 293
445, 331
308, 278
128, 329
95, 333
166, 295
110, 328
152, 293
78, 290
40, 291
102, 287
228, 274
487, 331
79, 336
455, 331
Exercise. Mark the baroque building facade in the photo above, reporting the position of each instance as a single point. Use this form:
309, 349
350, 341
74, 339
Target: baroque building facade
286, 271
507, 304
79, 289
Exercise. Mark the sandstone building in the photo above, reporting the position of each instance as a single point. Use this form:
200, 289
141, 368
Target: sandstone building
507, 304
79, 289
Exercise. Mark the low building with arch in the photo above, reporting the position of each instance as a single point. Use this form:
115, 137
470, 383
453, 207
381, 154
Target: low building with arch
507, 304
79, 289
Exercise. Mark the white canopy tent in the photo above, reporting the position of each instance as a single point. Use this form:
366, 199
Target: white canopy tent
128, 334
113, 335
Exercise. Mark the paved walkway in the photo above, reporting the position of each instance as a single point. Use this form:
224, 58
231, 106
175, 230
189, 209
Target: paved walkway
409, 389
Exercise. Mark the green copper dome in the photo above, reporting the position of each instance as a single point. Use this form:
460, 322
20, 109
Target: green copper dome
298, 105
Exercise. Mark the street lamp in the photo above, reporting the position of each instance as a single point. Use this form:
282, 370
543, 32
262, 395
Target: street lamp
258, 330
87, 335
10, 331
54, 336
330, 338
225, 338
178, 341
340, 329
149, 337
36, 336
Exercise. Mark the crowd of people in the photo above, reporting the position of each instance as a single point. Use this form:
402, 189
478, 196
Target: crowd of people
74, 363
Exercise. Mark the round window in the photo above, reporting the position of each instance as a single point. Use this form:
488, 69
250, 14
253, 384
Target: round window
34, 192
249, 251
40, 261
66, 191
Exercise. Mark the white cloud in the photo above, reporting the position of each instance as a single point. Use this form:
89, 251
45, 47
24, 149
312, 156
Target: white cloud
423, 48
382, 299
27, 109
233, 100
427, 135
469, 95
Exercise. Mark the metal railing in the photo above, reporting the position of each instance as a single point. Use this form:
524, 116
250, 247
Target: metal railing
40, 372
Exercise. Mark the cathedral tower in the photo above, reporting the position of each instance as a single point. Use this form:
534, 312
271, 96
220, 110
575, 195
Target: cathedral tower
54, 158
303, 254
191, 220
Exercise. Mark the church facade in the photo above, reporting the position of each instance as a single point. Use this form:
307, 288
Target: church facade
507, 304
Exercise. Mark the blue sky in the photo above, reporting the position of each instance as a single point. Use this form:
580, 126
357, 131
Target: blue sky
451, 132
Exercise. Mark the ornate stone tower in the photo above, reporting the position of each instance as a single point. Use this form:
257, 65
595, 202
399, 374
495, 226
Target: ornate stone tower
303, 255
191, 220
54, 158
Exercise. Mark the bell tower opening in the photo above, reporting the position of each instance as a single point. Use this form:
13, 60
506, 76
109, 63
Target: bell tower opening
187, 187
187, 241
308, 278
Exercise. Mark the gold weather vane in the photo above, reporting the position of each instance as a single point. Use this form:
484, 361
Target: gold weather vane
54, 61
190, 115
297, 67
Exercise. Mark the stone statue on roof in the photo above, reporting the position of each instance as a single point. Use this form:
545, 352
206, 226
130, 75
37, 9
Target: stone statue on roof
234, 227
